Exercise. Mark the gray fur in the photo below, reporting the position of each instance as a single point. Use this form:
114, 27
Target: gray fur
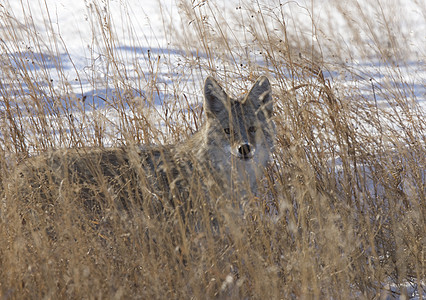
226, 157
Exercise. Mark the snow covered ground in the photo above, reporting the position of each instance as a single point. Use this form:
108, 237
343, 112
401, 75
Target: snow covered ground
141, 31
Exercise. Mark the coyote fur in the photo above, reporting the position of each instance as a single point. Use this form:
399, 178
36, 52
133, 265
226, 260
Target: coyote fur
226, 157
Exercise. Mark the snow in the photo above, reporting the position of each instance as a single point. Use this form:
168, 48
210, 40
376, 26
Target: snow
65, 46
140, 27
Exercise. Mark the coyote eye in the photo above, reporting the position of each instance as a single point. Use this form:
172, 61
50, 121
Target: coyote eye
252, 129
227, 130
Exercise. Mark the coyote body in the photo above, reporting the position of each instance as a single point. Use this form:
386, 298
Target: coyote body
225, 157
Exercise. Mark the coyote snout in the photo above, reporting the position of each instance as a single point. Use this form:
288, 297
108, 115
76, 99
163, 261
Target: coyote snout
245, 151
241, 147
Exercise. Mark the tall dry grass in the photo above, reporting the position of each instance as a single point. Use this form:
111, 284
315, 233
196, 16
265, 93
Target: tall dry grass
341, 212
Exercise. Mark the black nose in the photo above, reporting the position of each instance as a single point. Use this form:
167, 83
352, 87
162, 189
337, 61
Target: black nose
244, 150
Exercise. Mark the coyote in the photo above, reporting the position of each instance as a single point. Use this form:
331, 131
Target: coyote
226, 157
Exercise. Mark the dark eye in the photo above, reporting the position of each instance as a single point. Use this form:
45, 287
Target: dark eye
252, 129
227, 130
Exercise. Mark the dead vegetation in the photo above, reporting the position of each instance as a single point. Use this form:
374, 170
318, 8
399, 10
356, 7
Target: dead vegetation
341, 212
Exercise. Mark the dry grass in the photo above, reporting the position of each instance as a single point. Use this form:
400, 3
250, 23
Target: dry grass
342, 210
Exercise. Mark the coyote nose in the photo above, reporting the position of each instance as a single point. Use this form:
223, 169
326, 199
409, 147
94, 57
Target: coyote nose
244, 150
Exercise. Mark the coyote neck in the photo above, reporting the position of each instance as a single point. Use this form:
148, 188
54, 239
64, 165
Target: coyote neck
195, 149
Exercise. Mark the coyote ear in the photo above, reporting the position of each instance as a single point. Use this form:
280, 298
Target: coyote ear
260, 95
215, 98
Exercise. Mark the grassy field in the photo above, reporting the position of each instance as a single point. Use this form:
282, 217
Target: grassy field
341, 210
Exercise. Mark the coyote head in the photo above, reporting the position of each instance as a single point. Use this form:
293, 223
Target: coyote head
239, 132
